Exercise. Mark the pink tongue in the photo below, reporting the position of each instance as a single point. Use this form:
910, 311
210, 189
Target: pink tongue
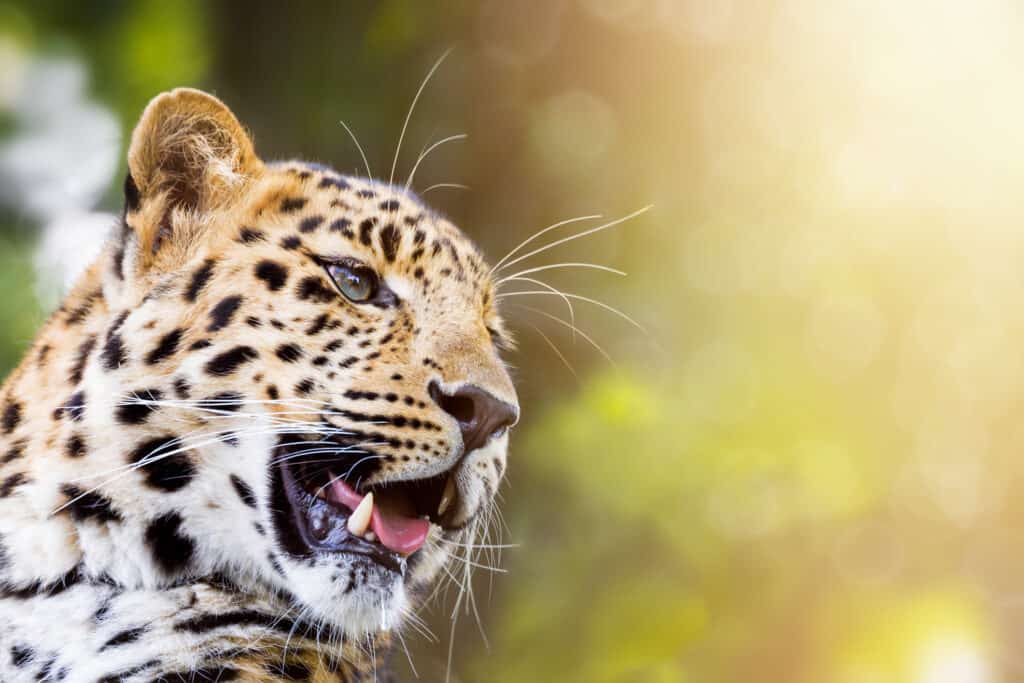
404, 535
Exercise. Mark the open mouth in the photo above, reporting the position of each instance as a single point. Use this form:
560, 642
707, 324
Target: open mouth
322, 508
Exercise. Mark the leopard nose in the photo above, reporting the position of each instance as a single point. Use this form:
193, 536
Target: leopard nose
479, 413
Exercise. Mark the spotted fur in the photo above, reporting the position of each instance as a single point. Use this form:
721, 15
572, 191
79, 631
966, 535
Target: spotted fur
140, 530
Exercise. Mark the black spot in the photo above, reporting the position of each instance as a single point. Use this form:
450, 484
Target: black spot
333, 181
289, 353
44, 670
228, 362
365, 229
165, 466
366, 194
85, 505
225, 401
138, 406
293, 204
291, 242
355, 395
274, 274
200, 345
208, 622
73, 408
124, 637
214, 673
310, 224
318, 325
113, 355
129, 673
75, 447
250, 235
131, 193
117, 263
21, 655
81, 357
221, 314
334, 345
44, 352
273, 393
244, 491
293, 670
38, 588
182, 389
172, 550
342, 225
390, 205
390, 239
200, 277
253, 321
77, 315
11, 417
15, 452
313, 287
8, 485
305, 387
167, 346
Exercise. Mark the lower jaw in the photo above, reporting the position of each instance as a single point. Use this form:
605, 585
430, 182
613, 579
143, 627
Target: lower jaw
309, 527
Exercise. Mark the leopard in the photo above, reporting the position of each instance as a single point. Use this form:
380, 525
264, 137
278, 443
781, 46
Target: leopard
258, 429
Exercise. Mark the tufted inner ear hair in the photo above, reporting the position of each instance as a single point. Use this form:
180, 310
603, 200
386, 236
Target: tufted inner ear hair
189, 157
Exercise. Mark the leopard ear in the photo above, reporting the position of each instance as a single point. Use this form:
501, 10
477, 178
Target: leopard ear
189, 157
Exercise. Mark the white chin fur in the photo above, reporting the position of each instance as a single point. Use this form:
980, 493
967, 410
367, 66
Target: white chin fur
377, 603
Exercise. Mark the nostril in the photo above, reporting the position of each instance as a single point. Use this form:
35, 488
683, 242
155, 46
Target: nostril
458, 406
479, 413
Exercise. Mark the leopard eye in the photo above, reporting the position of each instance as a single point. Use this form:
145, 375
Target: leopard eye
355, 280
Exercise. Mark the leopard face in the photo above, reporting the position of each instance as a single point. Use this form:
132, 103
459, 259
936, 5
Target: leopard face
275, 374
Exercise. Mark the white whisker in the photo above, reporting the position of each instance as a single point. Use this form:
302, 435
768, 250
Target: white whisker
576, 236
578, 297
412, 107
538, 234
553, 266
577, 329
352, 135
561, 357
438, 186
426, 152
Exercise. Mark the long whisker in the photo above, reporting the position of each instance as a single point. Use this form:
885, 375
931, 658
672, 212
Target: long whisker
540, 233
553, 266
550, 290
558, 353
359, 147
426, 152
438, 186
412, 107
577, 236
578, 331
610, 309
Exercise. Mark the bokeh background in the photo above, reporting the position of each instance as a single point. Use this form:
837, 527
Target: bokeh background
807, 467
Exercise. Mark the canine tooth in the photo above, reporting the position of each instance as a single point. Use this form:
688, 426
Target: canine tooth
448, 496
359, 520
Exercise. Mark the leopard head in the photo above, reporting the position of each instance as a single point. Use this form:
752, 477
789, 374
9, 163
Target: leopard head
299, 378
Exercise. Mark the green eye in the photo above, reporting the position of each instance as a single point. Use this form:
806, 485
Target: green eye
353, 279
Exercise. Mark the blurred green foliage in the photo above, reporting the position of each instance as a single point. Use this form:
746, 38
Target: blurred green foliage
806, 470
